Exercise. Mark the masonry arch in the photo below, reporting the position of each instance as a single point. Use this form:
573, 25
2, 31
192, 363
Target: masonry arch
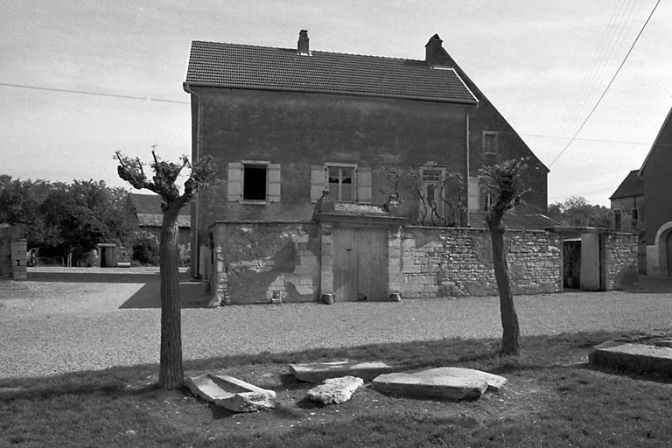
664, 245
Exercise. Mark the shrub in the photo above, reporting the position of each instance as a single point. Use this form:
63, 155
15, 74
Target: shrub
145, 248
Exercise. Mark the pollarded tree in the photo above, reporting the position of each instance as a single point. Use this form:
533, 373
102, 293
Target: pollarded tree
164, 183
505, 185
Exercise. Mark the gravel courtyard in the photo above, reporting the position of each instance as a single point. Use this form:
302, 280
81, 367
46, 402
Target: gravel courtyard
62, 320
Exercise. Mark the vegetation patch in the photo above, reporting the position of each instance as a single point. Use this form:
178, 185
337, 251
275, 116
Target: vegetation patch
553, 398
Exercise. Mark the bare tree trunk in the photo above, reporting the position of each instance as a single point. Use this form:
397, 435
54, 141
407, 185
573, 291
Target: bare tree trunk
171, 374
510, 328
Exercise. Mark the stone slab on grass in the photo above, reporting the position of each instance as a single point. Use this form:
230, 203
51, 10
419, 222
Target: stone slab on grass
231, 393
450, 383
633, 357
321, 371
335, 390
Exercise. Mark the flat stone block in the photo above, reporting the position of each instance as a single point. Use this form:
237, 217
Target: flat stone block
446, 382
231, 393
633, 357
321, 371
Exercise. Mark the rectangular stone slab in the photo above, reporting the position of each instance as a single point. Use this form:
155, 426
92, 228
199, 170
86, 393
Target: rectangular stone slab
633, 357
231, 393
320, 371
430, 384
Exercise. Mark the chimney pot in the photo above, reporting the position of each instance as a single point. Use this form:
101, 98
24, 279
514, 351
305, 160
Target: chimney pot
303, 47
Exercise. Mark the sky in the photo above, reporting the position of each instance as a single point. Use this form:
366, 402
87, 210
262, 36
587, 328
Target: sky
81, 79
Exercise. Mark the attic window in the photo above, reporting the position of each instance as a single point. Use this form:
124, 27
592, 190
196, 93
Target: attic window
489, 142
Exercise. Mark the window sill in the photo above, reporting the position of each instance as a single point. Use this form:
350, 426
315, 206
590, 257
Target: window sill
251, 202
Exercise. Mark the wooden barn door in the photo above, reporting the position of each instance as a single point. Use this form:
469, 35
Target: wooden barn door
360, 264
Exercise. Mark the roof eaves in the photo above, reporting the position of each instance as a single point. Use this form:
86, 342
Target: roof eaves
188, 85
655, 143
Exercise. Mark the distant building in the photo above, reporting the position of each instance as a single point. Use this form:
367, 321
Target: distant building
145, 211
627, 208
627, 204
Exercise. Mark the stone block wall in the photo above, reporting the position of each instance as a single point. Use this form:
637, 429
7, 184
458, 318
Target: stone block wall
293, 262
13, 253
621, 252
430, 262
266, 262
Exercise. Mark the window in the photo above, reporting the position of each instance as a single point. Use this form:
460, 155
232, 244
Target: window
345, 182
431, 182
617, 220
489, 142
253, 182
341, 183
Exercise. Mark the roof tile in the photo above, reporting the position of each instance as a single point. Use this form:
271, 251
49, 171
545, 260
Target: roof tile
247, 66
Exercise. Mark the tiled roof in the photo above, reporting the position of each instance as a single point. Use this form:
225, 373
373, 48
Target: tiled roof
632, 185
247, 66
147, 207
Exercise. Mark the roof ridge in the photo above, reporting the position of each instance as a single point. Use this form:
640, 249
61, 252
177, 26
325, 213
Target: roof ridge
312, 51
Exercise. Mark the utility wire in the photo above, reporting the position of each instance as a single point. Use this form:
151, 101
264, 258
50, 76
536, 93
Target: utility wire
608, 85
82, 92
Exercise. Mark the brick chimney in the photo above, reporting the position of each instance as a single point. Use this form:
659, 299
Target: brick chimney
434, 52
303, 47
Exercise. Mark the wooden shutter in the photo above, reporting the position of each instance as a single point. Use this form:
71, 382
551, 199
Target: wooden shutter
318, 181
364, 185
273, 183
474, 194
234, 182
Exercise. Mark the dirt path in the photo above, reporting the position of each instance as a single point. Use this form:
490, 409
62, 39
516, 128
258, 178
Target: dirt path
58, 322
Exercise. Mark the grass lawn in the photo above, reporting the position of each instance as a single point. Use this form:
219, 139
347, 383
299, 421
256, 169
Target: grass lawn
552, 399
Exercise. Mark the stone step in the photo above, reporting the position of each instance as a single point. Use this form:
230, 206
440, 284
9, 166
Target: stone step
230, 393
319, 371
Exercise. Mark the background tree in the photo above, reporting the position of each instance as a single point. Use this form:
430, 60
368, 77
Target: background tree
164, 183
504, 183
576, 211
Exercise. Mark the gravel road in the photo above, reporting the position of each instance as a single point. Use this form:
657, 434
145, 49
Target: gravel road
62, 321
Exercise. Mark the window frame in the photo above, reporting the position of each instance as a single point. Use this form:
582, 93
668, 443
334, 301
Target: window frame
254, 164
353, 189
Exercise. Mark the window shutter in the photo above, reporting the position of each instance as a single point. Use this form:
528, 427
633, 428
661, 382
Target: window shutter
474, 194
364, 185
234, 184
273, 182
318, 182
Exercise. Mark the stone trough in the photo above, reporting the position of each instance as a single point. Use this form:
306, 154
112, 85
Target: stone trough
231, 393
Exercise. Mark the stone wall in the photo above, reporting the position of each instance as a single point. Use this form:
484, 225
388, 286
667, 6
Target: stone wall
439, 262
13, 252
290, 262
266, 262
621, 259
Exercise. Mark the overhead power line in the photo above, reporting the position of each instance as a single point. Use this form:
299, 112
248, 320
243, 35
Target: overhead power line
608, 85
83, 92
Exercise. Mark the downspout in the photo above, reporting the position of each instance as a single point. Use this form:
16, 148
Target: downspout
466, 178
195, 220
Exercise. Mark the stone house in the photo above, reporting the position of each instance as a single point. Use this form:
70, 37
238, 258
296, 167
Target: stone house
656, 174
627, 208
144, 211
333, 154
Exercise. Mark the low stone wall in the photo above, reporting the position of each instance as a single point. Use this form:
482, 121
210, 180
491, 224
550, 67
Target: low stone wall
440, 262
282, 262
